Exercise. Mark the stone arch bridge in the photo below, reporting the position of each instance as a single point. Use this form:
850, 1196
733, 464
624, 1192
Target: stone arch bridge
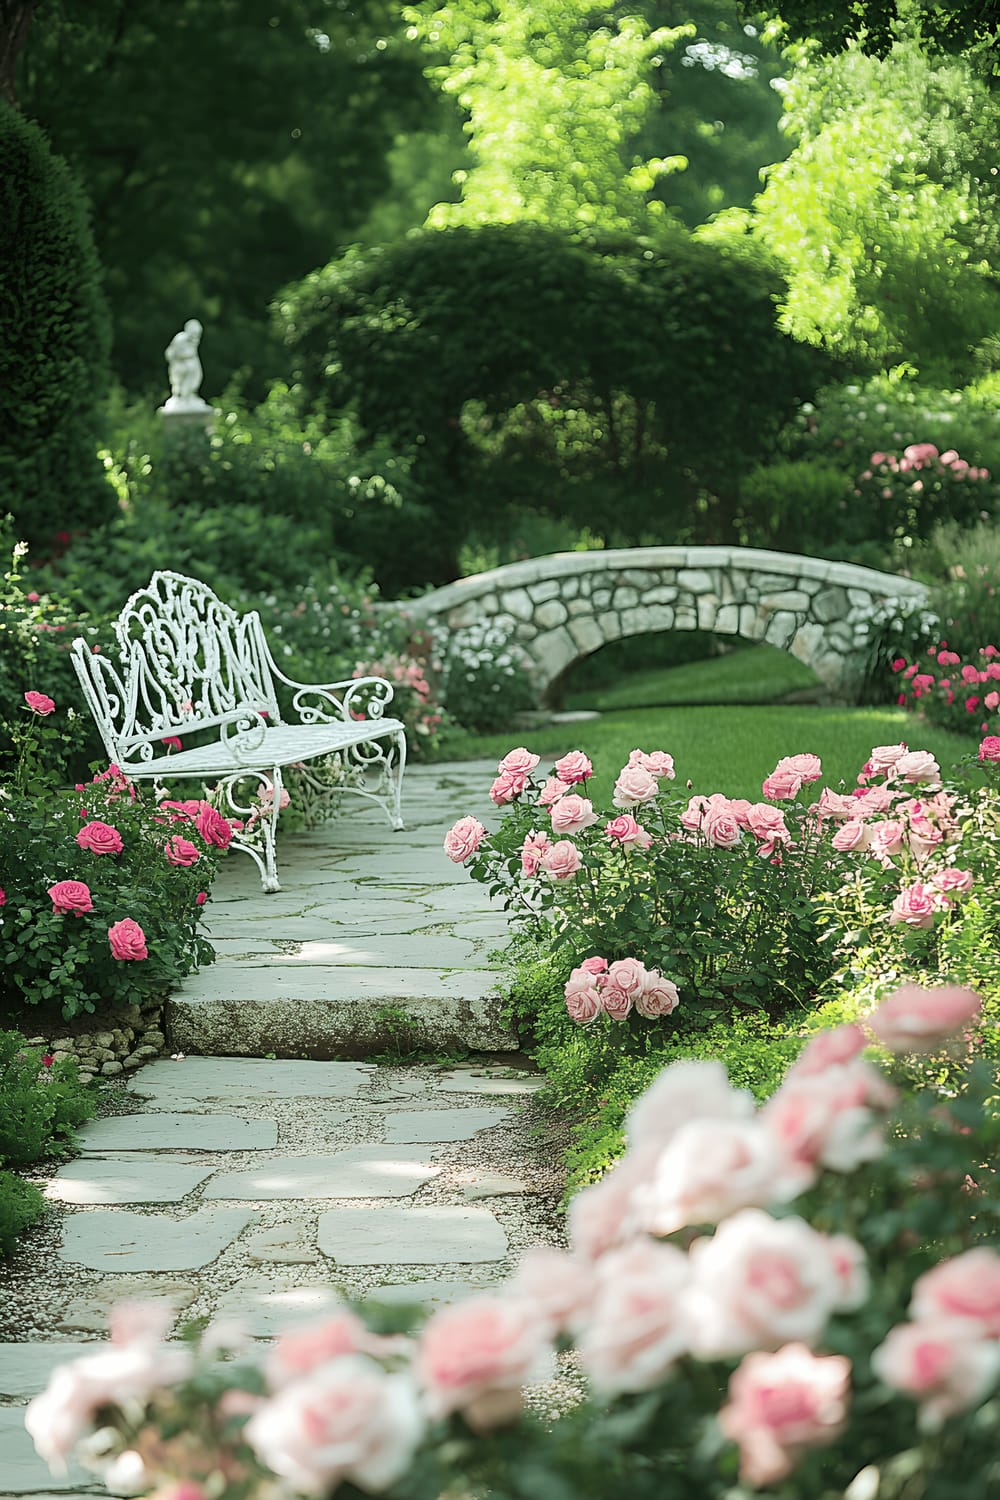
566, 606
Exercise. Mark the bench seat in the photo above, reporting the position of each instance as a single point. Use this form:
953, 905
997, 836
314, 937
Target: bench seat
279, 745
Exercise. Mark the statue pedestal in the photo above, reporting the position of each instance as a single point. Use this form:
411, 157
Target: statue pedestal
181, 412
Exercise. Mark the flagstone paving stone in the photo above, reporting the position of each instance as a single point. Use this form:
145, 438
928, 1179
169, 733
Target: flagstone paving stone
411, 1236
264, 1309
236, 1080
442, 1124
110, 1240
128, 1178
25, 1368
428, 1294
364, 1172
179, 1132
89, 1312
22, 1472
469, 1081
284, 1245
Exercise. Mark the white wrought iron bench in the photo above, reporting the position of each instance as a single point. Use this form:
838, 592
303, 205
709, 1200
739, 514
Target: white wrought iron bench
189, 663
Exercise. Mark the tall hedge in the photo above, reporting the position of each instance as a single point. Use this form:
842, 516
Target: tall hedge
54, 342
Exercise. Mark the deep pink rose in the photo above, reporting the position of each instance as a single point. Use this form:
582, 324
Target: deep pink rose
508, 785
214, 828
180, 851
39, 704
782, 784
626, 832
71, 897
989, 749
582, 994
967, 1286
127, 939
917, 905
571, 814
201, 898
476, 1357
3, 897
913, 1019
100, 838
562, 860
520, 760
942, 1363
658, 763
552, 791
634, 786
463, 839
573, 768
180, 812
782, 1404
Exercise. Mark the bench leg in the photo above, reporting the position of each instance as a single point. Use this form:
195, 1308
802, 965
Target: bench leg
396, 783
269, 829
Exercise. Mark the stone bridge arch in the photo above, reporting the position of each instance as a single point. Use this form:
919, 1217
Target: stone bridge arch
563, 607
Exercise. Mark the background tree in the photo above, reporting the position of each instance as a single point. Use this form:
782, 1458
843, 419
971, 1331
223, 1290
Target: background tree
955, 26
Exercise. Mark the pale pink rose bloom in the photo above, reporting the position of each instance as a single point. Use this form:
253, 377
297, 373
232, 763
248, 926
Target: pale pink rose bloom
659, 997
347, 1420
562, 861
884, 757
851, 1271
913, 1019
594, 965
886, 840
740, 809
634, 787
833, 805
628, 975
759, 1282
463, 839
851, 837
767, 824
806, 767
944, 1364
128, 941
136, 1321
615, 1002
875, 799
782, 784
710, 1169
826, 1119
658, 763
300, 1351
600, 1217
952, 882
624, 830
557, 1285
508, 785
571, 814
520, 760
696, 811
922, 836
582, 994
840, 1044
573, 768
635, 1328
552, 791
532, 850
967, 1286
722, 830
780, 1405
476, 1357
918, 765
686, 1090
917, 905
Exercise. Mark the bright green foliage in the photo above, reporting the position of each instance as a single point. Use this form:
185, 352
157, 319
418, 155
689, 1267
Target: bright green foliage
836, 24
555, 93
21, 1205
885, 214
54, 349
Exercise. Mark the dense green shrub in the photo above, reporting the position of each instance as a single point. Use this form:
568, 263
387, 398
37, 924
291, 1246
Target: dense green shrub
54, 354
21, 1205
799, 505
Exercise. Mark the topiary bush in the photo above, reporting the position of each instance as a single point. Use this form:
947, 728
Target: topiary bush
54, 354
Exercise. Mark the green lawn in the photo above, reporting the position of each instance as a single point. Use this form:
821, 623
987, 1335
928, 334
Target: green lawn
723, 748
759, 674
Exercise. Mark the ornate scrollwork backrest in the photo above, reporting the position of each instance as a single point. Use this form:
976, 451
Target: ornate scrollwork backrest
187, 661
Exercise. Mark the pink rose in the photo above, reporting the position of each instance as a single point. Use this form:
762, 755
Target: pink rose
558, 1286
721, 829
917, 765
952, 882
708, 1170
658, 763
127, 939
180, 851
686, 1090
520, 760
827, 1119
532, 850
39, 704
782, 1404
767, 823
657, 998
214, 828
508, 785
600, 1217
562, 860
573, 768
833, 805
886, 840
943, 1363
625, 831
201, 898
181, 812
913, 1019
634, 786
852, 837
874, 799
70, 897
463, 839
806, 767
476, 1356
571, 814
826, 1049
348, 1420
583, 997
3, 897
917, 905
100, 838
594, 965
635, 1328
624, 983
552, 791
300, 1351
989, 748
967, 1286
782, 784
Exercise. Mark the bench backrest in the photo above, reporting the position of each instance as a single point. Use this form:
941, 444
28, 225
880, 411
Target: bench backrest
186, 661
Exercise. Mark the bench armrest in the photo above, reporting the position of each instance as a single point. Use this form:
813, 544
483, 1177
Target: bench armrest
319, 702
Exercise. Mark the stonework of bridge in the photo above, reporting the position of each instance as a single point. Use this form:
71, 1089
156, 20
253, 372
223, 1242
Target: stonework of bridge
564, 607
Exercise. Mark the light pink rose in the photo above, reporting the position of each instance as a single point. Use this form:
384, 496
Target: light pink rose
658, 997
767, 823
851, 837
520, 760
299, 1351
658, 763
917, 905
463, 839
913, 1019
573, 768
828, 1119
967, 1286
721, 829
557, 1285
100, 838
571, 814
634, 786
874, 799
887, 840
708, 1170
582, 993
595, 965
759, 1282
476, 1356
552, 791
616, 1003
840, 1044
942, 1363
952, 882
214, 828
884, 757
624, 830
635, 1329
833, 805
922, 836
600, 1217
782, 1404
39, 703
347, 1420
686, 1090
782, 784
917, 765
806, 767
562, 861
265, 798
508, 785
127, 939
180, 851
70, 897
623, 984
851, 1271
532, 850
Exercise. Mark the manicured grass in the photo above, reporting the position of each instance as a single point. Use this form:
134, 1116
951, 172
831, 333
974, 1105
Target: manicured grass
760, 674
726, 748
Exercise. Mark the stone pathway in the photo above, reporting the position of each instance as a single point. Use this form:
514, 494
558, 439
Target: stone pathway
261, 1188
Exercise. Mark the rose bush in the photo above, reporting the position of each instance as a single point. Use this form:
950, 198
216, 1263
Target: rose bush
751, 1305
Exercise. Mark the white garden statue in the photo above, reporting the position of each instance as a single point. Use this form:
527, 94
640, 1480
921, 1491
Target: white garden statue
186, 374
